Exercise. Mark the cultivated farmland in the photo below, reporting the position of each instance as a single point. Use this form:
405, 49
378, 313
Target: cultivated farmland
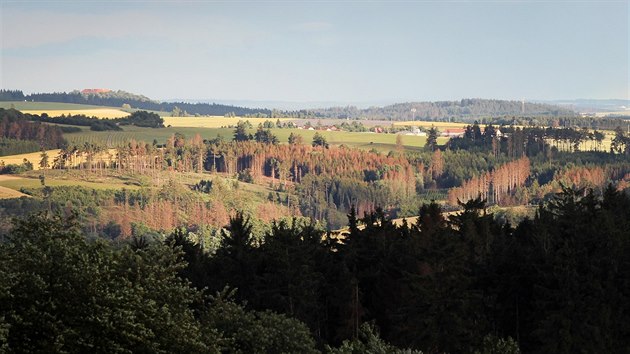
33, 157
215, 121
381, 142
105, 113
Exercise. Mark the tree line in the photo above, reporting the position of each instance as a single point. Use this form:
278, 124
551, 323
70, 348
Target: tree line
553, 283
13, 126
120, 98
138, 118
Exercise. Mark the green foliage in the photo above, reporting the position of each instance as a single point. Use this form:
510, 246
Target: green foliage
203, 186
15, 147
265, 136
246, 176
495, 345
240, 133
95, 123
67, 294
255, 332
368, 341
11, 95
143, 119
319, 140
432, 136
13, 169
466, 109
295, 139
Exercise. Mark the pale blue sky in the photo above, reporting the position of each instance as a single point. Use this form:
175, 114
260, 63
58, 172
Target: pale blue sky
352, 51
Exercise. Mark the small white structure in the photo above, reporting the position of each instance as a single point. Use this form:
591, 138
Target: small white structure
418, 132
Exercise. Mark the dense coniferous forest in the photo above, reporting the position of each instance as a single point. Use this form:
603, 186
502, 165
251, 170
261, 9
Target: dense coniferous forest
463, 283
11, 95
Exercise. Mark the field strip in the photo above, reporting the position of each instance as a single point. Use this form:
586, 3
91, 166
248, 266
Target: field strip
97, 112
32, 157
7, 193
215, 121
429, 124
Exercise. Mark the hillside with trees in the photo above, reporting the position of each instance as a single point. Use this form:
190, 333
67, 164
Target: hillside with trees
120, 98
244, 243
465, 109
463, 283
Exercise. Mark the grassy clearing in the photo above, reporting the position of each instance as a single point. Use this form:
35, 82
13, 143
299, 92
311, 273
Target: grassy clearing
65, 178
214, 121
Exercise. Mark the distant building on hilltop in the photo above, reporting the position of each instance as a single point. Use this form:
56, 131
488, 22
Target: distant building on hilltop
94, 91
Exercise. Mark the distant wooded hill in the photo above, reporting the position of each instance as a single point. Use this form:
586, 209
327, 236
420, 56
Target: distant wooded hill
465, 109
120, 98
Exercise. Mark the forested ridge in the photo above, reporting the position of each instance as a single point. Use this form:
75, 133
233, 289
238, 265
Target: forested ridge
120, 98
465, 109
464, 283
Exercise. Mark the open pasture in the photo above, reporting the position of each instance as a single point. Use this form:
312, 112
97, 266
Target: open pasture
381, 142
55, 179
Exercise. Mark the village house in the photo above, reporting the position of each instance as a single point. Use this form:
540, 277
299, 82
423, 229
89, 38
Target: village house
454, 132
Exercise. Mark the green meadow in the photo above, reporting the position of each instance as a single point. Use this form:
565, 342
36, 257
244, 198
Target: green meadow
381, 142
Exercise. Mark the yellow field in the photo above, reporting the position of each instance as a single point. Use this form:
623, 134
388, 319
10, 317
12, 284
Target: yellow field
214, 121
7, 193
33, 157
99, 112
428, 124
